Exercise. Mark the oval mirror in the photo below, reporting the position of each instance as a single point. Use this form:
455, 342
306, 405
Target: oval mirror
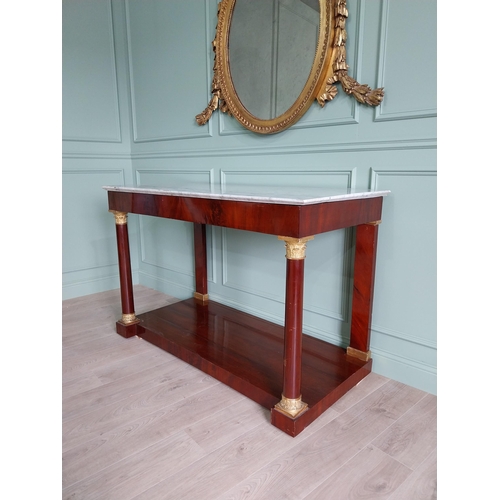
274, 57
272, 47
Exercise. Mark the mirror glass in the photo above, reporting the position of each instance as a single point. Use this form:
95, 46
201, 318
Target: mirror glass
272, 47
273, 58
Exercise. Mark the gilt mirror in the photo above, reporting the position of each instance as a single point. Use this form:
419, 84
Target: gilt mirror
273, 58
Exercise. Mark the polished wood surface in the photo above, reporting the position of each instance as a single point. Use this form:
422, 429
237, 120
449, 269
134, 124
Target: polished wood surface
266, 362
296, 221
126, 330
138, 423
292, 360
246, 353
200, 258
364, 282
127, 296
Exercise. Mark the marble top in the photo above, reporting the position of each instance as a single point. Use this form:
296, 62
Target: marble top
290, 195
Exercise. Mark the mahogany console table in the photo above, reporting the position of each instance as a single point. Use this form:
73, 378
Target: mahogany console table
295, 375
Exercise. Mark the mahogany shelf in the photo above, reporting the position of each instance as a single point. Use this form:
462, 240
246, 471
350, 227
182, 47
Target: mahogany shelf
246, 353
294, 375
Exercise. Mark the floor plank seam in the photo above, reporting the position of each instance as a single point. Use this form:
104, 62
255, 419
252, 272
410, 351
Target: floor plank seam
327, 478
297, 442
90, 409
216, 438
102, 471
110, 350
414, 405
65, 383
128, 423
212, 452
397, 459
363, 398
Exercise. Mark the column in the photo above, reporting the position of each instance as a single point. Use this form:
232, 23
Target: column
291, 403
128, 318
200, 263
362, 298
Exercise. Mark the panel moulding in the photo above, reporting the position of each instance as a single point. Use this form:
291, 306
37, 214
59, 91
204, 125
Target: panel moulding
210, 239
175, 269
405, 337
96, 156
118, 137
352, 147
203, 132
67, 271
307, 174
404, 360
226, 282
165, 285
375, 174
407, 371
95, 171
379, 110
341, 315
180, 172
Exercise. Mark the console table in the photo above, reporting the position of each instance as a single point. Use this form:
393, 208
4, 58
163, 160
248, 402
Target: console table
295, 375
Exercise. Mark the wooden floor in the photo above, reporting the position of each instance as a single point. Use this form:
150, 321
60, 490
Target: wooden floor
138, 423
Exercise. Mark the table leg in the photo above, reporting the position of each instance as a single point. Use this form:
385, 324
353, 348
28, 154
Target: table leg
362, 300
291, 403
200, 263
127, 325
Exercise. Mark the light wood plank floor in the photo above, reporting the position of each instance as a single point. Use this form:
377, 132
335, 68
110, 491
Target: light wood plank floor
138, 423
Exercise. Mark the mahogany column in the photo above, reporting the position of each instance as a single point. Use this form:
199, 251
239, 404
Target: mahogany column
291, 403
128, 323
364, 280
200, 263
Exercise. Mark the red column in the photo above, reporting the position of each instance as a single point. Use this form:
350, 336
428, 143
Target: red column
291, 403
200, 262
364, 280
292, 365
125, 326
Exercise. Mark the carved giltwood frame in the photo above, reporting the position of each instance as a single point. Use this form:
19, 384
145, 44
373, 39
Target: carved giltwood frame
329, 67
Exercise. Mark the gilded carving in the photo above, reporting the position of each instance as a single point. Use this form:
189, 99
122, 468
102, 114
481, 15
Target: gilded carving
329, 67
217, 100
120, 217
291, 407
129, 318
295, 247
361, 92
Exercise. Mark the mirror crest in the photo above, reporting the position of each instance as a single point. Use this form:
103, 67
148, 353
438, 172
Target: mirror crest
328, 67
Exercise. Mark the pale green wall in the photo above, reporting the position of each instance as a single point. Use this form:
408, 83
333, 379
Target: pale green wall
96, 141
136, 73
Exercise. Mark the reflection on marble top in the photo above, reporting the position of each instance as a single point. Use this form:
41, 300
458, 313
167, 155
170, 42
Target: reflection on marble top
290, 195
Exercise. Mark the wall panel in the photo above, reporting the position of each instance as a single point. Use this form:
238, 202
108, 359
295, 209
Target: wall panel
408, 28
261, 270
89, 86
405, 308
89, 259
167, 245
408, 244
163, 61
165, 71
96, 142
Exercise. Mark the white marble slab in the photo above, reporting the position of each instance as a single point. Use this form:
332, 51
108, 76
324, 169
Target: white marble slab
291, 195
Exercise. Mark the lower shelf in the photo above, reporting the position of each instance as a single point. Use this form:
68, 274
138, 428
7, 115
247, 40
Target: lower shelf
246, 353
